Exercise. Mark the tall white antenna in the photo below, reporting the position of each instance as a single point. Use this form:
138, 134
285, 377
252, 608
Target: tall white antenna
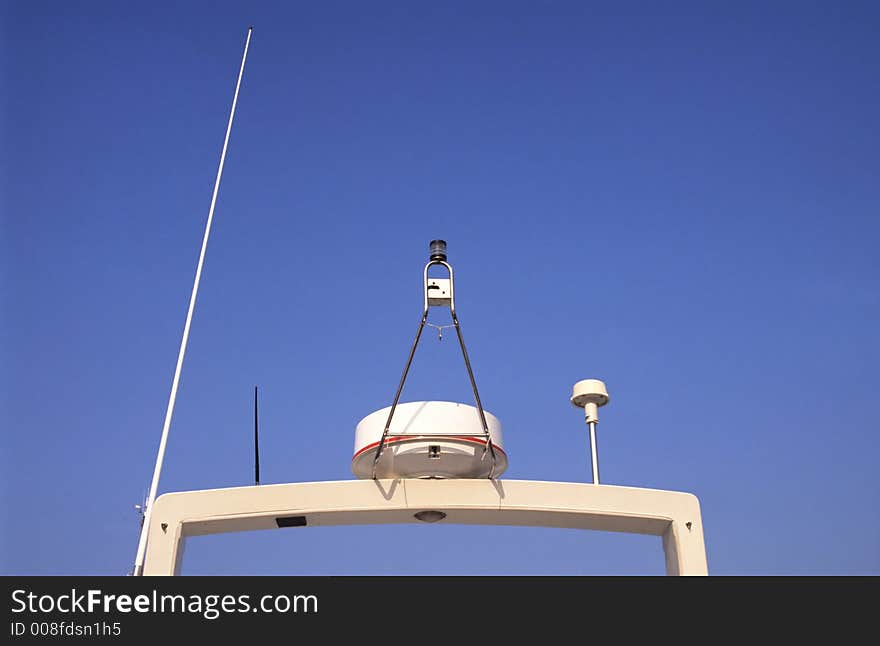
145, 527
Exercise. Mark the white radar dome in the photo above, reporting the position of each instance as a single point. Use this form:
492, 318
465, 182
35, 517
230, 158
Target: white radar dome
430, 439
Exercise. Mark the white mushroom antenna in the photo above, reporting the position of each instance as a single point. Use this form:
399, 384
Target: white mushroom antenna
590, 394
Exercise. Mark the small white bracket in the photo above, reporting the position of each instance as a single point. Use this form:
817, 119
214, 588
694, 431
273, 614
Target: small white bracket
439, 291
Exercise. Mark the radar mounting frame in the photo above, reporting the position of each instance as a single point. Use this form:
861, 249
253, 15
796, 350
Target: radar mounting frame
445, 296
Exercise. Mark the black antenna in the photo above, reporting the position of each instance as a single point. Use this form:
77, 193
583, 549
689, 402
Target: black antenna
256, 441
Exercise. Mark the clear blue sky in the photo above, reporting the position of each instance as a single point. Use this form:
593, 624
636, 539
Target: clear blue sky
682, 200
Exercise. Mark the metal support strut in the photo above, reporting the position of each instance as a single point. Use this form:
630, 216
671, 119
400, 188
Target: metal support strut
438, 257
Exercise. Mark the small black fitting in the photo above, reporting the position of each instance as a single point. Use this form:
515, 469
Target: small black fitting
438, 249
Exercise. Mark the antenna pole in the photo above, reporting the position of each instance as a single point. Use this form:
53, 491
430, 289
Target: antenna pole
591, 394
256, 441
145, 528
594, 453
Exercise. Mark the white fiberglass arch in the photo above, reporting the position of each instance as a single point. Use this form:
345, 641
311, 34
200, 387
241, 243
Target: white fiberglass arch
672, 515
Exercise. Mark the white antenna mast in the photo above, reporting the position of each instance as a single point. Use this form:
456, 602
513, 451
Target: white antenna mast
590, 394
142, 543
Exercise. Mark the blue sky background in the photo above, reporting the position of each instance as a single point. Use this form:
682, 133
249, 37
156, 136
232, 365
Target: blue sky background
682, 200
